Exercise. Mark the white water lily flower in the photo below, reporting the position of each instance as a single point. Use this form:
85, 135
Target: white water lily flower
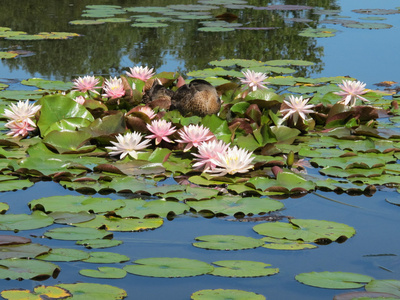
254, 80
298, 108
128, 144
234, 160
351, 90
22, 111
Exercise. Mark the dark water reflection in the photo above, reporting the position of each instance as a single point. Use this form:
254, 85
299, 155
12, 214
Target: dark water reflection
110, 48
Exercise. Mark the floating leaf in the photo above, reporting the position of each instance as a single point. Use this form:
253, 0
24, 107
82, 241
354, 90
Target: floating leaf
284, 244
368, 25
85, 291
62, 217
99, 243
149, 25
227, 242
7, 55
220, 294
168, 267
106, 258
75, 204
242, 268
27, 269
13, 240
390, 286
17, 222
86, 22
76, 233
13, 185
231, 206
121, 224
334, 280
39, 292
306, 230
29, 250
139, 208
104, 272
64, 254
48, 84
318, 32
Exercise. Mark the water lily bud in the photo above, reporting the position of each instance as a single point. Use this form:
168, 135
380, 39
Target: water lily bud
290, 159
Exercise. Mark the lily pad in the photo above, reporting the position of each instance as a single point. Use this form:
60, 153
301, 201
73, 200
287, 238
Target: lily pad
242, 268
334, 280
318, 32
99, 243
62, 217
227, 242
139, 208
390, 286
306, 230
102, 257
84, 291
168, 267
30, 250
48, 84
284, 244
104, 272
220, 294
39, 292
64, 254
231, 205
368, 25
75, 204
27, 269
122, 224
76, 233
17, 222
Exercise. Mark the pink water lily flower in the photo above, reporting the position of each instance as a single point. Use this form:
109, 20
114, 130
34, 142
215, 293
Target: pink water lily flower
114, 88
129, 143
19, 128
254, 80
142, 73
148, 111
351, 90
232, 161
22, 111
161, 129
297, 108
194, 135
208, 151
87, 83
80, 99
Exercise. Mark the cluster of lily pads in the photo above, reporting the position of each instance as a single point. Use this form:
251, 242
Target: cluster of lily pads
287, 124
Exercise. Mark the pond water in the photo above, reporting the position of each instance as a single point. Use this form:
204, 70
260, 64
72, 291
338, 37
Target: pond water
369, 55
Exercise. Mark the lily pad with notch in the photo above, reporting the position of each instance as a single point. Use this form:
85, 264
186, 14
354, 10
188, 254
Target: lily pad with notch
227, 242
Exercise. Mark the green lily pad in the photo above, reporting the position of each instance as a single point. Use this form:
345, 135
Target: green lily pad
17, 222
390, 286
13, 185
242, 268
285, 62
21, 95
220, 294
245, 63
6, 239
29, 250
114, 20
168, 267
39, 292
48, 84
58, 107
86, 22
231, 206
215, 29
27, 269
102, 257
368, 25
75, 204
63, 217
64, 254
318, 32
84, 291
139, 208
76, 233
306, 230
104, 272
227, 242
121, 224
333, 280
284, 244
99, 243
7, 55
3, 207
198, 193
149, 25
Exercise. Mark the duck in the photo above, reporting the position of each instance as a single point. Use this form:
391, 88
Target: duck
198, 98
158, 95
